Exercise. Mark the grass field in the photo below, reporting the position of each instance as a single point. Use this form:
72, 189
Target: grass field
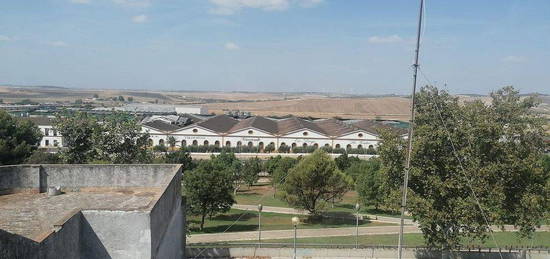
541, 239
270, 221
263, 193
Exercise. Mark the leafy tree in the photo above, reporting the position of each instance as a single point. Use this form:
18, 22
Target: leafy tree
228, 162
171, 142
18, 139
119, 139
181, 156
120, 98
343, 161
282, 169
368, 182
78, 101
41, 157
77, 130
207, 190
269, 148
314, 181
462, 149
271, 164
160, 148
130, 99
284, 149
251, 170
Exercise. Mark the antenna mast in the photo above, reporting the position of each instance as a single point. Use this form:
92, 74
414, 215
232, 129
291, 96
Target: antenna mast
411, 132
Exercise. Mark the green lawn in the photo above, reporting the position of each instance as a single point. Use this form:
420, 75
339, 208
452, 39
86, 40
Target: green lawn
271, 221
503, 239
263, 193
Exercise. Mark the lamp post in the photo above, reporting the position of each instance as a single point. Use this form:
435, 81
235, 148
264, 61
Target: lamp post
356, 225
260, 207
295, 221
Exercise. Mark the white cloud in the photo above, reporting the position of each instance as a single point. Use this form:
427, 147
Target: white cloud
80, 1
514, 59
231, 46
230, 7
140, 18
57, 43
6, 38
133, 3
385, 39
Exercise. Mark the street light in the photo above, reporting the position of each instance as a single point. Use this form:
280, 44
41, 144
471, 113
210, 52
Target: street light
260, 207
295, 221
357, 225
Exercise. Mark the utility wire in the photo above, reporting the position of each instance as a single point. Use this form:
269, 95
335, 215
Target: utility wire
468, 180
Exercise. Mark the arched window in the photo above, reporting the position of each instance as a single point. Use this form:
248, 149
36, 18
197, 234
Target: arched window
337, 146
250, 144
305, 133
360, 146
195, 130
360, 135
304, 145
161, 142
371, 146
205, 143
250, 132
195, 143
260, 146
183, 143
228, 143
327, 145
217, 143
348, 146
283, 144
293, 145
239, 143
272, 144
150, 142
316, 145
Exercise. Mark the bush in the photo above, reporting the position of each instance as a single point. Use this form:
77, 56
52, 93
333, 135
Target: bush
284, 149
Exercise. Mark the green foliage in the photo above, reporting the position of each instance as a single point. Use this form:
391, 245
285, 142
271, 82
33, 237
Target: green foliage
207, 189
269, 148
42, 157
283, 149
120, 98
18, 139
26, 102
171, 141
130, 99
251, 170
160, 148
499, 148
314, 181
368, 182
282, 169
343, 162
271, 164
117, 138
181, 156
228, 162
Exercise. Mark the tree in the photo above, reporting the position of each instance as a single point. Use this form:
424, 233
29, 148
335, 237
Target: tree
314, 181
78, 101
96, 96
207, 190
251, 170
228, 162
368, 182
281, 171
343, 161
473, 165
41, 157
171, 142
77, 130
118, 139
18, 139
269, 148
130, 99
182, 156
120, 98
271, 164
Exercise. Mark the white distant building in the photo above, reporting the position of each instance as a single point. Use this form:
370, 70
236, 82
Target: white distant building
190, 109
157, 108
51, 137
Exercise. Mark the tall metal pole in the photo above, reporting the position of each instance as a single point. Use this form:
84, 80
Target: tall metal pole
411, 133
356, 225
260, 225
294, 241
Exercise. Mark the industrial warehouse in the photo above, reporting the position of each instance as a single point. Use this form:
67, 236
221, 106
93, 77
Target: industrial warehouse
286, 134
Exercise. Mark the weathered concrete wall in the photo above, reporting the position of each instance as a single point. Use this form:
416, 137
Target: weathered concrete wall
19, 178
16, 246
312, 253
65, 243
122, 234
164, 210
171, 244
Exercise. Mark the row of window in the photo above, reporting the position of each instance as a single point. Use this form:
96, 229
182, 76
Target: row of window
47, 143
47, 132
305, 133
251, 144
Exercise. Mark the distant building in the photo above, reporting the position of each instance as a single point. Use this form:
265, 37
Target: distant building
149, 108
99, 211
51, 139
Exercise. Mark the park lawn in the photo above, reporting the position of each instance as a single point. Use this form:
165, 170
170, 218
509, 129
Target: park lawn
263, 193
270, 221
541, 239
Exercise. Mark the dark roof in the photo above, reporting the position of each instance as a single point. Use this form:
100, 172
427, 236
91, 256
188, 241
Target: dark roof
161, 126
220, 123
334, 127
293, 123
40, 121
257, 122
373, 126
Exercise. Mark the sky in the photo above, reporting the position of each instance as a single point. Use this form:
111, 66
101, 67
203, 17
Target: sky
338, 46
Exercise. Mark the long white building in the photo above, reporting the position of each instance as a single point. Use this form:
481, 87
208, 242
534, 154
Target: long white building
258, 131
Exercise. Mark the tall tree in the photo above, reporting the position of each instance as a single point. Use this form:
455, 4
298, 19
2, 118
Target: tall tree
207, 190
368, 183
172, 142
251, 170
118, 139
182, 156
315, 181
228, 162
18, 139
77, 130
473, 165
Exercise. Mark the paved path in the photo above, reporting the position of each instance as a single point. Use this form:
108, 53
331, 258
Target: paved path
284, 234
293, 211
